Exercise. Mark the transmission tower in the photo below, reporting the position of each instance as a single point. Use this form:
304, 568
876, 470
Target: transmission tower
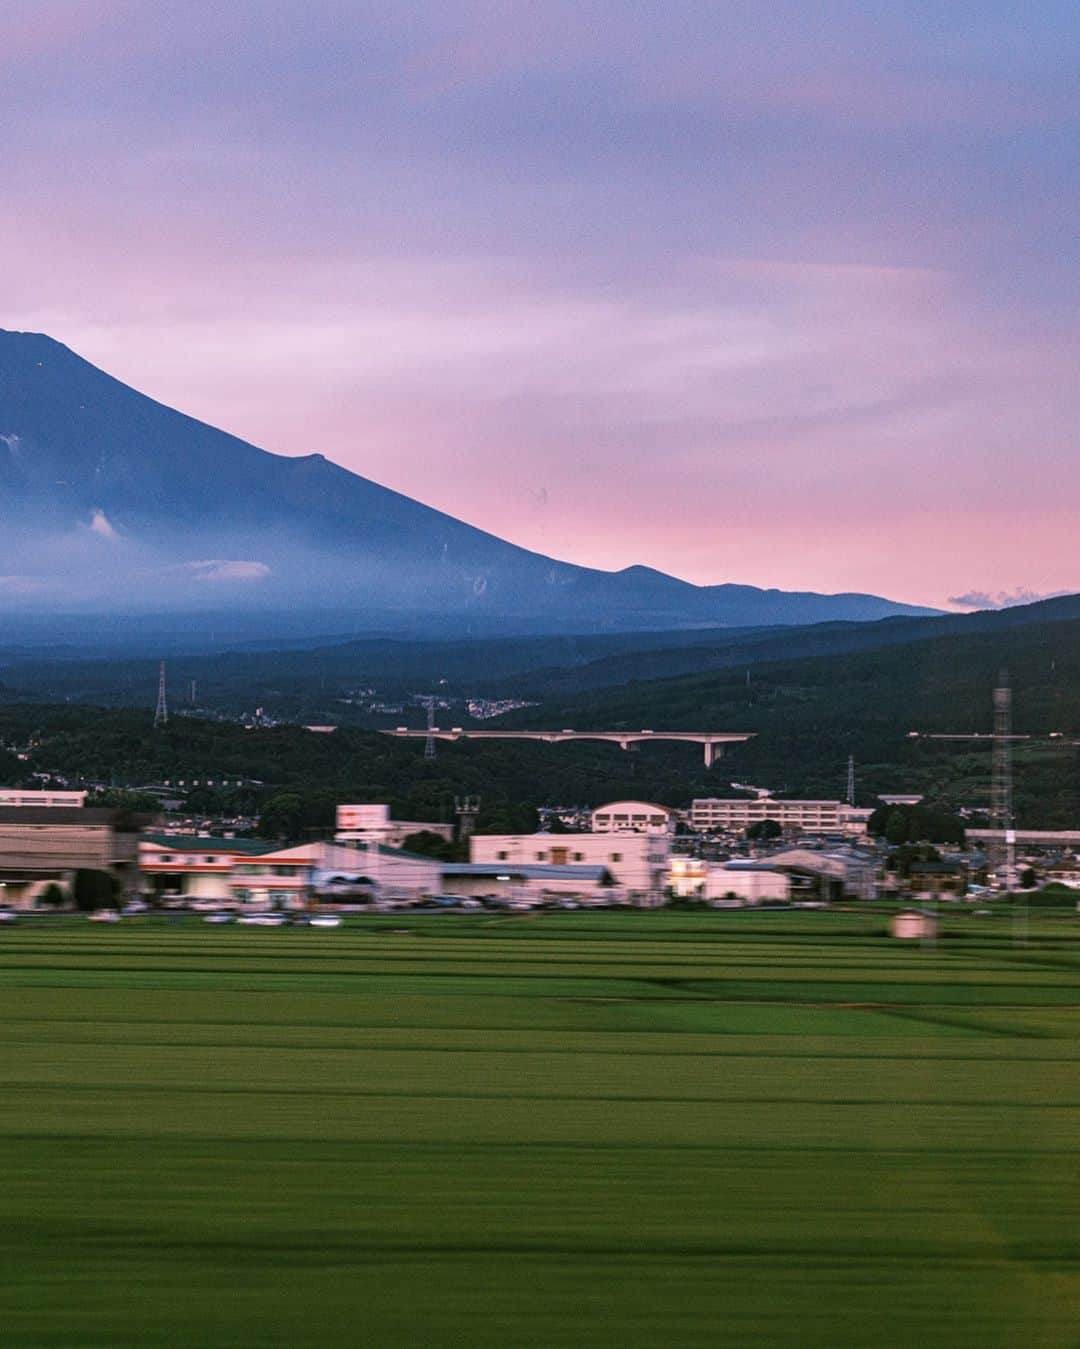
1001, 796
851, 779
466, 808
429, 743
161, 715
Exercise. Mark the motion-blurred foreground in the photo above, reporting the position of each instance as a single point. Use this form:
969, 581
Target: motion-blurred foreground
608, 1129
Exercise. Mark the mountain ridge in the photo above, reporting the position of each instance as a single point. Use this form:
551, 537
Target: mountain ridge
110, 493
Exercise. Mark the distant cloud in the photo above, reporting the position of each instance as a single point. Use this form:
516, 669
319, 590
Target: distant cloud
217, 569
100, 524
1002, 599
19, 585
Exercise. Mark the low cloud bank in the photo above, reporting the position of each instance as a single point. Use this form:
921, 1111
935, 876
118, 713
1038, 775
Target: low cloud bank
1002, 599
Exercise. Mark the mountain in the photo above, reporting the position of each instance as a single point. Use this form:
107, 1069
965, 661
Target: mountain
109, 498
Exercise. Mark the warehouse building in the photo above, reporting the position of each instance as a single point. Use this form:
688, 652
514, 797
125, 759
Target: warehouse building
45, 846
637, 861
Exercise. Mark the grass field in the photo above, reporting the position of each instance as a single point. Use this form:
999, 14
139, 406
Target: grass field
601, 1130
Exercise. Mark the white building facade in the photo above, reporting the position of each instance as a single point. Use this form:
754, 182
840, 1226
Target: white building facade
372, 824
719, 815
632, 817
637, 862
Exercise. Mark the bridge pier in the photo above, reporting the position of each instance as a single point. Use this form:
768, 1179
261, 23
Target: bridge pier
712, 752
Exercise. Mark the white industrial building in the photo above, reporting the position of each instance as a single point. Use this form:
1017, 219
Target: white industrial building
372, 824
43, 848
632, 817
291, 877
637, 862
747, 882
53, 800
724, 815
531, 883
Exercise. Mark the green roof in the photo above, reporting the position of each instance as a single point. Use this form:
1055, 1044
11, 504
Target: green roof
193, 843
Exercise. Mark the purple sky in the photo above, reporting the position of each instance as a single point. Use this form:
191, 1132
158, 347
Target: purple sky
777, 293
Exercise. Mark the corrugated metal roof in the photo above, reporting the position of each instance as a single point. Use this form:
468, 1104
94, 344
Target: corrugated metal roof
193, 843
529, 870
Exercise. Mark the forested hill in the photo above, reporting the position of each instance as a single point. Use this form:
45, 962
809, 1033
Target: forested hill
810, 714
298, 776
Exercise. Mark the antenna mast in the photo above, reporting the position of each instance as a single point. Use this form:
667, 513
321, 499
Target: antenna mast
466, 808
429, 743
851, 779
161, 715
1002, 786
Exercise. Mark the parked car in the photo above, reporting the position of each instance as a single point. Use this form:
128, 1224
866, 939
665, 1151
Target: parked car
221, 916
104, 916
262, 919
135, 906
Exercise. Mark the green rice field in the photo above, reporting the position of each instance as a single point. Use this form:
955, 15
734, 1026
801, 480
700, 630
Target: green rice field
609, 1130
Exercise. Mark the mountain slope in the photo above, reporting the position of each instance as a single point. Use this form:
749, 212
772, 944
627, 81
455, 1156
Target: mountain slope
111, 496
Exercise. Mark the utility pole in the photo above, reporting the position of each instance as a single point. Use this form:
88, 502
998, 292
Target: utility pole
851, 779
161, 715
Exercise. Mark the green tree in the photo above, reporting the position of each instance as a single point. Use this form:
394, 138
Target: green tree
896, 829
762, 830
281, 816
426, 843
93, 889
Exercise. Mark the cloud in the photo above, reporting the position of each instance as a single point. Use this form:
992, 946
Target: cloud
100, 524
217, 569
19, 585
1003, 599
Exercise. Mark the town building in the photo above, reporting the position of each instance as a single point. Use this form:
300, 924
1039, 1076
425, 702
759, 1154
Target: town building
729, 815
527, 883
45, 846
633, 817
745, 882
637, 862
372, 824
44, 797
836, 874
294, 877
1033, 838
192, 866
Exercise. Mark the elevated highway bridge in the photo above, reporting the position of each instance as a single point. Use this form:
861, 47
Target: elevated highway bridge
713, 742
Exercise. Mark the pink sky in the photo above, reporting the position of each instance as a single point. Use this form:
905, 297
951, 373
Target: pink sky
789, 303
